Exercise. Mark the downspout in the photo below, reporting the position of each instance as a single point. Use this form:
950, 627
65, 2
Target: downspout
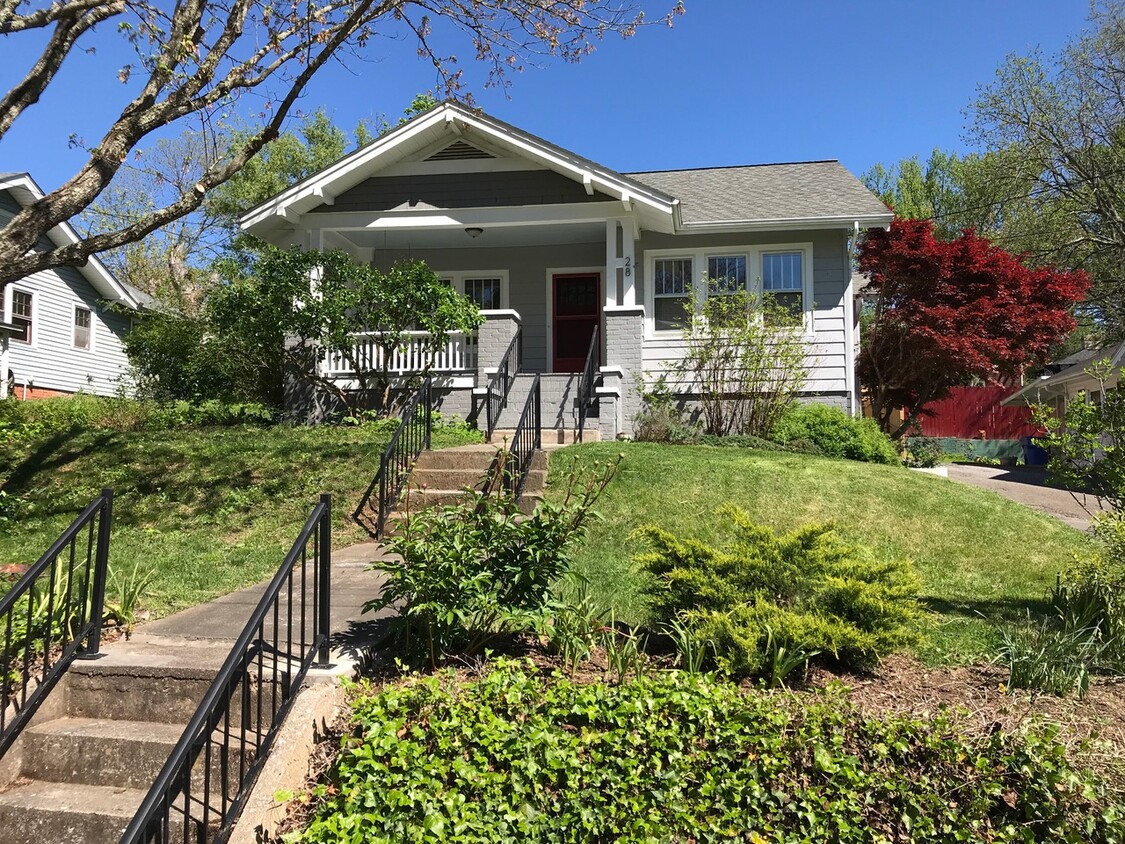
850, 330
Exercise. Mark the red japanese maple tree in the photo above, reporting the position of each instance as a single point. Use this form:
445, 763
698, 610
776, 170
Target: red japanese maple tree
947, 313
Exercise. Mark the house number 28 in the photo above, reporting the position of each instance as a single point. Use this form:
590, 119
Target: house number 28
628, 267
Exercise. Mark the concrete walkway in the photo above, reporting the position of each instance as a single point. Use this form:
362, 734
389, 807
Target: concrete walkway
1029, 487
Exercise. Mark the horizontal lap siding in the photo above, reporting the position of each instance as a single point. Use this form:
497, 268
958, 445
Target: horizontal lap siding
827, 357
527, 281
52, 363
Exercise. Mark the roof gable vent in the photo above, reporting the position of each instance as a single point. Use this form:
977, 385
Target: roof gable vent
459, 151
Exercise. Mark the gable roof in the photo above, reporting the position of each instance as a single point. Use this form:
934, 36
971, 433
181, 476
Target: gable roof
1070, 369
773, 193
24, 190
810, 194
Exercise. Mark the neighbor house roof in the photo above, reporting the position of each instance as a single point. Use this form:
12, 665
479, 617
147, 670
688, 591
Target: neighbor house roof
804, 194
1073, 370
760, 193
25, 191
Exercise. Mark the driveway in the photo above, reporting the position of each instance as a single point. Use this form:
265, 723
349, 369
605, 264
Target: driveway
1028, 486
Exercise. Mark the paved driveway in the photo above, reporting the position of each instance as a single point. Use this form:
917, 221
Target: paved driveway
1028, 486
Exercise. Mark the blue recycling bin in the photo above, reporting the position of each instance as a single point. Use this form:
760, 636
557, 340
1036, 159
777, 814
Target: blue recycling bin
1033, 455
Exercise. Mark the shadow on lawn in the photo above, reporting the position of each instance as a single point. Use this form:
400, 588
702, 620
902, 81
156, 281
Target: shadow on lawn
1002, 610
52, 454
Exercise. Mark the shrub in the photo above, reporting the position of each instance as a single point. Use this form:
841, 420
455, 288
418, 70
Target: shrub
808, 591
923, 452
660, 419
520, 757
836, 434
1049, 656
471, 571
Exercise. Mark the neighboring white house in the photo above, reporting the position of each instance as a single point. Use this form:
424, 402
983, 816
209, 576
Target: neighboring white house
552, 245
60, 338
1077, 373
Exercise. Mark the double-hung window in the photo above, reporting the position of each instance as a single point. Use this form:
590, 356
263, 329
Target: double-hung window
726, 275
671, 291
83, 328
484, 292
783, 280
23, 315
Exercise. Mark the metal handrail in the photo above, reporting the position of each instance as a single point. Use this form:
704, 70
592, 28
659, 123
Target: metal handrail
412, 437
500, 384
586, 383
66, 613
210, 732
527, 439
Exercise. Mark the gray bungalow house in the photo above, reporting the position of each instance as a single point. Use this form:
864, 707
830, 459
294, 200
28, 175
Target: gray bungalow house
553, 246
58, 337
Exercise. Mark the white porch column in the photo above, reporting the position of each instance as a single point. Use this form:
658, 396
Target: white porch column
3, 364
611, 263
628, 265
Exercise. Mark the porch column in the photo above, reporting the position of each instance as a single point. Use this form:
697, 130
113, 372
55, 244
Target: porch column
493, 338
611, 264
624, 342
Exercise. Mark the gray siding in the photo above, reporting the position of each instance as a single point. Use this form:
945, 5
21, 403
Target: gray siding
51, 362
8, 207
827, 350
462, 190
527, 281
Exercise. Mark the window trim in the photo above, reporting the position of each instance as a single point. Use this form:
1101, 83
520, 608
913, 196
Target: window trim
692, 294
457, 279
700, 257
9, 304
74, 327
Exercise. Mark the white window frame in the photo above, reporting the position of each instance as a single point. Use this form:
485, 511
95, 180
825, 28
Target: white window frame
650, 289
9, 295
700, 257
457, 280
74, 327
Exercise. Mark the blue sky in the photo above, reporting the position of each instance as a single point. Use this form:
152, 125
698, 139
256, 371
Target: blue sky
733, 82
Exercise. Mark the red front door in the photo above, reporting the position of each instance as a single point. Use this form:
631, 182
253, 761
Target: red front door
577, 312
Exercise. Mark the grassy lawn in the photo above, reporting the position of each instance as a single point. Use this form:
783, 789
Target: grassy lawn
209, 510
982, 558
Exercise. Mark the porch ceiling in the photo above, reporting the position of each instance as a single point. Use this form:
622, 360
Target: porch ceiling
490, 237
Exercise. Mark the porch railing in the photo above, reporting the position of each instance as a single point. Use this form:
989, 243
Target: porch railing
414, 355
200, 792
52, 616
397, 461
527, 439
587, 382
500, 384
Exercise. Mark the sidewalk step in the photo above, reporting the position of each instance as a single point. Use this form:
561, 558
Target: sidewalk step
35, 812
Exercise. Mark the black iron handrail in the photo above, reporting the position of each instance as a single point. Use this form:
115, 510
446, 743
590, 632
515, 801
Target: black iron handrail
52, 616
202, 788
586, 383
527, 439
500, 384
413, 437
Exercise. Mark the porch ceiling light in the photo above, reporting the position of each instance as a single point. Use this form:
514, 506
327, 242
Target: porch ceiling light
474, 232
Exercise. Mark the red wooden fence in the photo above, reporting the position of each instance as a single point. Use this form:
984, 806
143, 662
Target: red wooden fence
970, 410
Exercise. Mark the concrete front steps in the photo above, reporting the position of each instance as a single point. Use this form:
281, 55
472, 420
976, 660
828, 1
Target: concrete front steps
444, 476
80, 770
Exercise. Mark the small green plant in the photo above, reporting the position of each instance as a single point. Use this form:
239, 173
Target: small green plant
465, 573
661, 419
1049, 656
572, 627
691, 650
836, 434
624, 651
127, 590
923, 452
769, 603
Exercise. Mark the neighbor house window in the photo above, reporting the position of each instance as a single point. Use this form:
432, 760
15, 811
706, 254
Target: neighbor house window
726, 274
485, 292
22, 315
783, 280
82, 328
672, 280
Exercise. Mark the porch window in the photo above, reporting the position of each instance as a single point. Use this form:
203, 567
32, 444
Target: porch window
726, 274
672, 280
783, 280
22, 312
82, 325
485, 292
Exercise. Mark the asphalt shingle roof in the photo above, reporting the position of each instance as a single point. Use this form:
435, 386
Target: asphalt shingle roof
765, 192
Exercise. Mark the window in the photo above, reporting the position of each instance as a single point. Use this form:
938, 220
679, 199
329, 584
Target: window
22, 315
727, 274
672, 283
485, 292
82, 328
783, 280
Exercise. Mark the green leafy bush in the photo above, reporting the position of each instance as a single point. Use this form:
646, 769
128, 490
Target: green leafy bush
471, 571
520, 757
660, 419
836, 434
808, 591
923, 452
